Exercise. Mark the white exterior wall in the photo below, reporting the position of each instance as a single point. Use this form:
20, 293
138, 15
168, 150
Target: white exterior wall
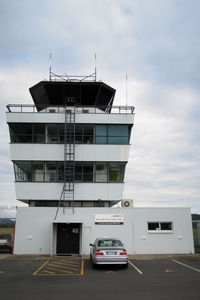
39, 117
55, 152
82, 191
35, 226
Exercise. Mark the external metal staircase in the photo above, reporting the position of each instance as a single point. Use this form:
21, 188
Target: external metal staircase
67, 194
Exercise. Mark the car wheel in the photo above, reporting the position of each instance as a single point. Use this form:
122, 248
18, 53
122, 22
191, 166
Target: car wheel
125, 266
94, 265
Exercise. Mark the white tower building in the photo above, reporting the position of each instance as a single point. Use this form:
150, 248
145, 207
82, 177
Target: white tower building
69, 152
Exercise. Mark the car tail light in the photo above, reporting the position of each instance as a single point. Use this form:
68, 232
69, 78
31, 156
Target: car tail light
98, 252
123, 252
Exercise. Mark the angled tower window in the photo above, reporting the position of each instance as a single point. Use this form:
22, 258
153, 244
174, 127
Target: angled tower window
116, 172
20, 132
22, 170
118, 134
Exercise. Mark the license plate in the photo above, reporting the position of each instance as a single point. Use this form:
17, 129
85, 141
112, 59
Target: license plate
111, 253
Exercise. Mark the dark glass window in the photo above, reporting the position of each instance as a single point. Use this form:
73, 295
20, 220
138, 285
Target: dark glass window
101, 134
159, 226
21, 132
87, 172
118, 134
153, 226
88, 131
166, 226
39, 133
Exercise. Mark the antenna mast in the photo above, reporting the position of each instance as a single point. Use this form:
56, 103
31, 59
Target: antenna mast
50, 67
95, 69
126, 90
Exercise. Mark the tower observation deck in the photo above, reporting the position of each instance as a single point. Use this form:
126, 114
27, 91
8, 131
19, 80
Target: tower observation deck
71, 147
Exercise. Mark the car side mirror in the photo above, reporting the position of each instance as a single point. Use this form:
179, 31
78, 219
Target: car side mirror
91, 245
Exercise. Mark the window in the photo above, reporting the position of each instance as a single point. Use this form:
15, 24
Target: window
116, 172
20, 133
52, 133
37, 171
160, 226
109, 243
118, 134
88, 172
38, 133
101, 134
55, 133
22, 171
52, 171
101, 172
88, 134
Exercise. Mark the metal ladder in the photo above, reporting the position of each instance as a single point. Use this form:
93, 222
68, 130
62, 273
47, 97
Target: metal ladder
67, 194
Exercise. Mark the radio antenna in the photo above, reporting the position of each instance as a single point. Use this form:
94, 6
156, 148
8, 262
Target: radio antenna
126, 89
95, 66
50, 67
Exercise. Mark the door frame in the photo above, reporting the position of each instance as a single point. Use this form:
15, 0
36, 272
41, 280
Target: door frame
54, 236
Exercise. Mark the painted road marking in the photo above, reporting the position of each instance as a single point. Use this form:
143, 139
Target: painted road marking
61, 267
138, 270
38, 270
187, 266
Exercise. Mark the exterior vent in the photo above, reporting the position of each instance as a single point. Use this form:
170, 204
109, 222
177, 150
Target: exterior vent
85, 111
52, 110
127, 203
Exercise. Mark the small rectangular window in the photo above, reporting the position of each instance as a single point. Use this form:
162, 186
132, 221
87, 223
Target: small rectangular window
160, 226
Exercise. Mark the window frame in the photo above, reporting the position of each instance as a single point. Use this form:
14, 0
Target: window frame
159, 228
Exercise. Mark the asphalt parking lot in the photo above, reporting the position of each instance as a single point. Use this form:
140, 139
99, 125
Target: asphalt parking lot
74, 278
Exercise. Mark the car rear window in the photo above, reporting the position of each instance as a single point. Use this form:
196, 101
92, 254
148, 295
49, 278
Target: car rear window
109, 243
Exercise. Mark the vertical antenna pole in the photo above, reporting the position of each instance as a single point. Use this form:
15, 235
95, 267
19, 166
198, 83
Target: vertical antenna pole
50, 67
126, 90
95, 70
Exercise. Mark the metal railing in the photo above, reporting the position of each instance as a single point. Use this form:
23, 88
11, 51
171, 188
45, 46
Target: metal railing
99, 109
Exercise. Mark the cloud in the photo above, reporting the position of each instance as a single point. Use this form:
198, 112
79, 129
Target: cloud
155, 42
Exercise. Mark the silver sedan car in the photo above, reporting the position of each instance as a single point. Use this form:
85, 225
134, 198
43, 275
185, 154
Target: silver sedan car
108, 251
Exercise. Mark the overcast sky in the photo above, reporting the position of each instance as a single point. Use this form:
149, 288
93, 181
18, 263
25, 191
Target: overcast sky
155, 42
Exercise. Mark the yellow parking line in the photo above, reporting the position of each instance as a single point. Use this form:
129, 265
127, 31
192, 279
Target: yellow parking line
82, 267
68, 264
49, 272
62, 267
60, 270
40, 267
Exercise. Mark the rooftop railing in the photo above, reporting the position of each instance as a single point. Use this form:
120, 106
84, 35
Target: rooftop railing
28, 108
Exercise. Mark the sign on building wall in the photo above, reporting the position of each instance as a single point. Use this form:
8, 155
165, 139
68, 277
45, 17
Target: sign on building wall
108, 219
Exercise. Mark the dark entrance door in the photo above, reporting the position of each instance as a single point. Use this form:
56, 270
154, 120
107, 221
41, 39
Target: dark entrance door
68, 238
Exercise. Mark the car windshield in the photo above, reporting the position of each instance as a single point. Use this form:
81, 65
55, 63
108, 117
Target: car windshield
109, 243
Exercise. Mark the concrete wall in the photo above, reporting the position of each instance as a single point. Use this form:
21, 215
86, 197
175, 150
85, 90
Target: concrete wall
35, 226
55, 152
82, 191
60, 118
